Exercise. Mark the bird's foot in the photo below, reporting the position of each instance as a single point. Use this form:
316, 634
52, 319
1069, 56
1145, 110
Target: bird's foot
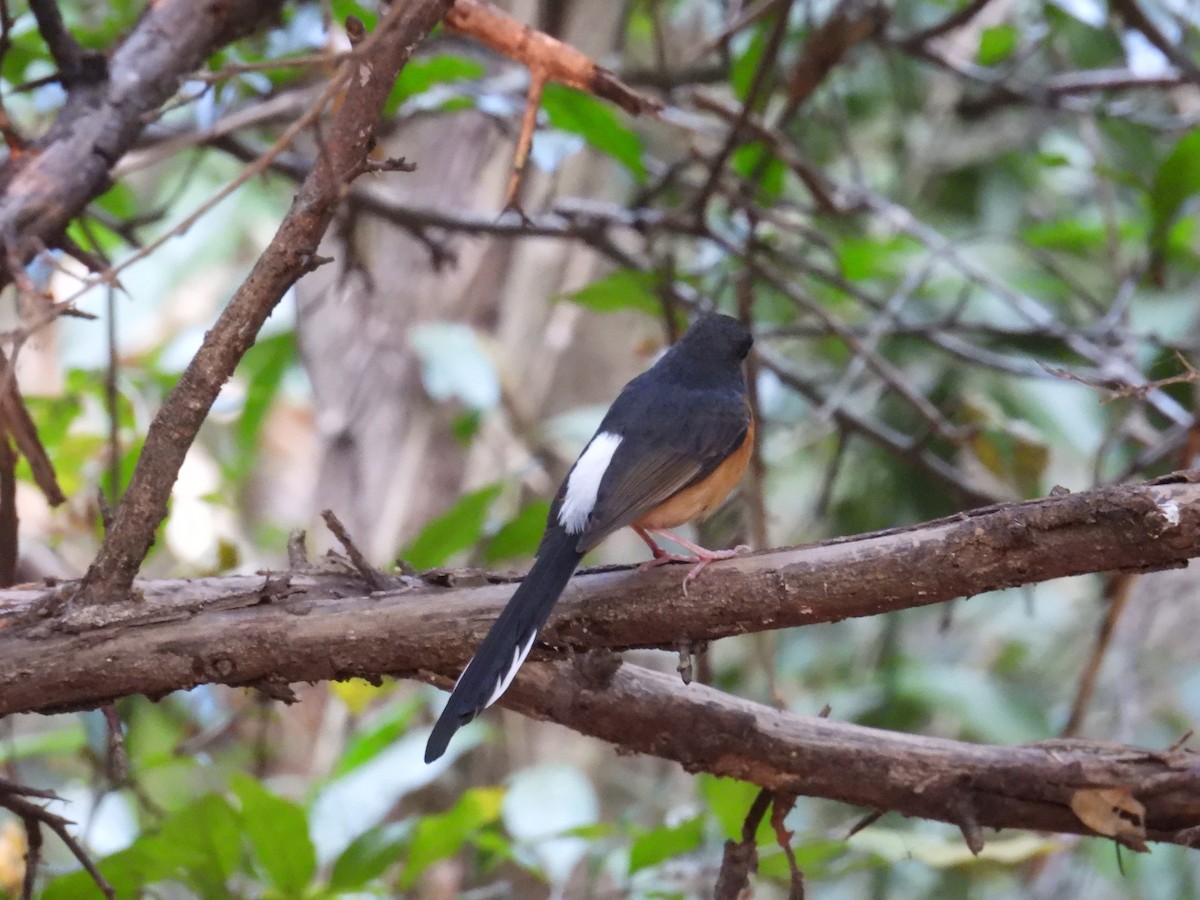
701, 556
704, 557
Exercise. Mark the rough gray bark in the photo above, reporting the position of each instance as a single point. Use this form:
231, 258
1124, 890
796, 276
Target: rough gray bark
170, 635
41, 191
270, 630
974, 786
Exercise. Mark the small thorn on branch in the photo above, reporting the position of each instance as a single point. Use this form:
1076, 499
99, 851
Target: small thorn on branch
297, 551
687, 651
968, 822
310, 262
117, 762
865, 822
356, 31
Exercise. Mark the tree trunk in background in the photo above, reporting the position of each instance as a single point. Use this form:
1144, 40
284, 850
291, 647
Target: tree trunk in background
389, 460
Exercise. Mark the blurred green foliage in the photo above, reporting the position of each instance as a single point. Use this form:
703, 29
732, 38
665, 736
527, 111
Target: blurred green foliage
1087, 207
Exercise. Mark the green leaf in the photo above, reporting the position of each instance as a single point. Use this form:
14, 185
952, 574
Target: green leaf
996, 44
812, 857
983, 710
128, 871
204, 841
54, 416
363, 798
861, 258
455, 530
370, 855
200, 846
1175, 182
419, 75
1070, 235
729, 801
665, 842
63, 740
368, 743
264, 366
595, 121
519, 536
755, 160
441, 836
622, 289
746, 63
278, 833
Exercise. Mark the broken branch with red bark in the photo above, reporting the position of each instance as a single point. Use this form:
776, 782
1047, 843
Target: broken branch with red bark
547, 59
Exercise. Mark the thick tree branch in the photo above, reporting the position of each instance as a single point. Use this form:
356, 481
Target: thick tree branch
68, 167
305, 626
238, 630
291, 253
1035, 786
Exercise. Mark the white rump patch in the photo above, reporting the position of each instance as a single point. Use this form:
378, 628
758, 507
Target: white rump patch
584, 483
519, 654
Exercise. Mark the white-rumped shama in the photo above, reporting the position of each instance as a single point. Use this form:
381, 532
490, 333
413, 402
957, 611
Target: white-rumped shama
670, 448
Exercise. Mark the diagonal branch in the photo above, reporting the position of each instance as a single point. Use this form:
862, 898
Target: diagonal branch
69, 166
64, 49
291, 254
1033, 786
1135, 17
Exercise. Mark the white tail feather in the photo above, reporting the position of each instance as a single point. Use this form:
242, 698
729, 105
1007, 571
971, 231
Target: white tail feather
519, 654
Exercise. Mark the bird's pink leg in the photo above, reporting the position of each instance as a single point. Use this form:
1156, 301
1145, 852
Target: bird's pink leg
701, 556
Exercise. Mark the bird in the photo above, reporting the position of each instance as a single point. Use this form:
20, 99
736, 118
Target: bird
674, 443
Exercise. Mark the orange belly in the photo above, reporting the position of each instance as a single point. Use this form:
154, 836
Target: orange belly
701, 499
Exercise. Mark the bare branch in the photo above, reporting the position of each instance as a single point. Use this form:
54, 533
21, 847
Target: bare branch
291, 253
64, 49
1135, 17
45, 189
547, 59
1029, 786
170, 635
15, 798
248, 630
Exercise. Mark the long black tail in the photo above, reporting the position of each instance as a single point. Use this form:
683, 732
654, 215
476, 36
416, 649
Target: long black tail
495, 663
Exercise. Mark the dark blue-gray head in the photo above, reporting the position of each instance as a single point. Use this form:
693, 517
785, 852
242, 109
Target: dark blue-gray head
715, 345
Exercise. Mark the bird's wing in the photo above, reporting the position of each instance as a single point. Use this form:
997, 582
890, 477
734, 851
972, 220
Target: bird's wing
663, 451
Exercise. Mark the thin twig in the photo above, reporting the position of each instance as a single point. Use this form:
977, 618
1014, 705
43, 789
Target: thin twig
368, 572
756, 92
740, 859
12, 798
1117, 589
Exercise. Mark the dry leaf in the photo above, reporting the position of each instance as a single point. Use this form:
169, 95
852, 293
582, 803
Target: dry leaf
12, 858
1113, 812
